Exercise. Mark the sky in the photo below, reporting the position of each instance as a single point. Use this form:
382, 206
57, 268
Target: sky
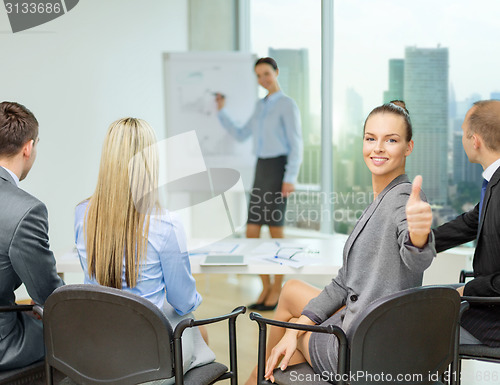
368, 33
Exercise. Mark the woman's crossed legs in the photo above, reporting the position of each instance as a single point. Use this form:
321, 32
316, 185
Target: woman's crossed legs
294, 296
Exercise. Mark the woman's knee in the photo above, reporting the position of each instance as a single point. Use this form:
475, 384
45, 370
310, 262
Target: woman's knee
295, 291
292, 287
296, 294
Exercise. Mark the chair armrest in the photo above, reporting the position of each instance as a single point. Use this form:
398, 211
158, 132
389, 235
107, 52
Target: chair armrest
464, 306
38, 310
330, 329
473, 299
15, 308
465, 274
190, 322
482, 300
235, 313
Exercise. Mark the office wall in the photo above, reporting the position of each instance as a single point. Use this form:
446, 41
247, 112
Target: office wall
99, 62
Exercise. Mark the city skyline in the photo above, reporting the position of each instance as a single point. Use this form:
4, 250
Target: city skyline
367, 35
426, 94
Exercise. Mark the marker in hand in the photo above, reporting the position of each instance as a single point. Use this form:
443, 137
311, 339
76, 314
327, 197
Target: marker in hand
418, 215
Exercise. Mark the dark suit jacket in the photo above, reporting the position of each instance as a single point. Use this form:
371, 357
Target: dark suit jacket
25, 257
482, 322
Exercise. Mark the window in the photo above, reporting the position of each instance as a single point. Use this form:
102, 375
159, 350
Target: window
290, 32
437, 56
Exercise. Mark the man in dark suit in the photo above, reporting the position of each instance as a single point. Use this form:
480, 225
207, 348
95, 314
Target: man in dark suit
25, 256
481, 141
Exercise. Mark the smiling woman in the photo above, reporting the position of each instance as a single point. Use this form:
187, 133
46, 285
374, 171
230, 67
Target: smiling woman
387, 143
385, 254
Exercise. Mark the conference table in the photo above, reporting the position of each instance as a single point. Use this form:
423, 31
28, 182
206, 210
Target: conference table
311, 256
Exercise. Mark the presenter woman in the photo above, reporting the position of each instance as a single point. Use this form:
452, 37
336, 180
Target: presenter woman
388, 250
126, 241
277, 142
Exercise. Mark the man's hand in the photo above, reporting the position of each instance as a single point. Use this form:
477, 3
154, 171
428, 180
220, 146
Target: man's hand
461, 290
37, 316
287, 189
418, 215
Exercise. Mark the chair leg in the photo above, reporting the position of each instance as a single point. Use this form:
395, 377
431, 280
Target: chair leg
458, 374
233, 351
178, 369
48, 373
261, 360
455, 370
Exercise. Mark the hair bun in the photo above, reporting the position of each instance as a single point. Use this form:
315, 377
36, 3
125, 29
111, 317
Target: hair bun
401, 104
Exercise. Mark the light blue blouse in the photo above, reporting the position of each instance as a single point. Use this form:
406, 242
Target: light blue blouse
166, 274
275, 125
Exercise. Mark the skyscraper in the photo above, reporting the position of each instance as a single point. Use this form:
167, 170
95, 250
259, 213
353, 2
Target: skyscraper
463, 170
396, 80
351, 138
426, 97
294, 80
353, 117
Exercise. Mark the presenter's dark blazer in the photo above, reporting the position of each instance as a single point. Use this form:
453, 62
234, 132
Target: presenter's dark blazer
25, 257
482, 322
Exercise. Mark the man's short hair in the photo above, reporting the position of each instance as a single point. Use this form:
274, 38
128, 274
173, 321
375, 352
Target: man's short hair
485, 121
18, 125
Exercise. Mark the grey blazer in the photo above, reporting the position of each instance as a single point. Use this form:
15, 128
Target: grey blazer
25, 257
378, 258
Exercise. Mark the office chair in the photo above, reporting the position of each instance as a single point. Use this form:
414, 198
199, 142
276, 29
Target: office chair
410, 337
99, 335
477, 352
31, 374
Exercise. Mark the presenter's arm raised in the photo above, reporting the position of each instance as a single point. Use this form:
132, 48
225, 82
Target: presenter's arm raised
220, 99
239, 133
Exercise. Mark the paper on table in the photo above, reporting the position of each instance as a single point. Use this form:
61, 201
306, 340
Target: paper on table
271, 248
297, 263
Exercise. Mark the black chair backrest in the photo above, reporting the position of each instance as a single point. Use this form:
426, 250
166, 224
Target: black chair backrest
410, 334
98, 335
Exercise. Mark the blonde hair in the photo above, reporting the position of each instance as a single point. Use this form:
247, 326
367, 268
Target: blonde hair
118, 213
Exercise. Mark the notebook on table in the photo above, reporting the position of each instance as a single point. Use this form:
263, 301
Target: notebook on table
224, 260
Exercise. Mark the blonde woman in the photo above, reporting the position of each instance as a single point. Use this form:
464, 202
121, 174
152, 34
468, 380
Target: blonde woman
126, 241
